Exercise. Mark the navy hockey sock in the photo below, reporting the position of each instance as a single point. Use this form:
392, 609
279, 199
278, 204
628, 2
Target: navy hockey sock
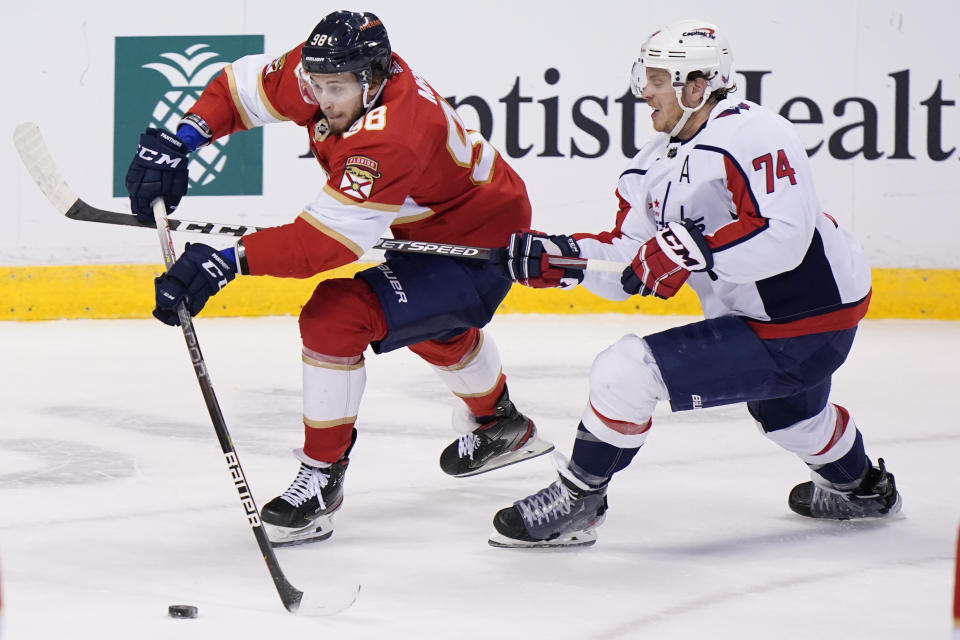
595, 461
848, 470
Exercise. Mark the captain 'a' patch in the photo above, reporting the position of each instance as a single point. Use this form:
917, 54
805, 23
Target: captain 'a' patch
359, 174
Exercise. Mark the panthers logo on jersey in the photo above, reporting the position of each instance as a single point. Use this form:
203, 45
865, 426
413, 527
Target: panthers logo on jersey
276, 65
359, 174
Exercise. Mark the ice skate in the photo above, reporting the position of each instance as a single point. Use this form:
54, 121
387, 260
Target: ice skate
504, 438
875, 497
303, 513
564, 514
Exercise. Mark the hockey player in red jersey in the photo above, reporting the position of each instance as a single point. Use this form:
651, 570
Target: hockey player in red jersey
722, 199
396, 157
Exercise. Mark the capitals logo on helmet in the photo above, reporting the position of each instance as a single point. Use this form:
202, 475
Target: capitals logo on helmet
705, 32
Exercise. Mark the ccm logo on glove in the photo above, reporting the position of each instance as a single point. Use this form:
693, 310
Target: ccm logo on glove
199, 273
220, 271
664, 262
681, 253
160, 158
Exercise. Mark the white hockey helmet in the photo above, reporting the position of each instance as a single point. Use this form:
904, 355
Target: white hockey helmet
680, 49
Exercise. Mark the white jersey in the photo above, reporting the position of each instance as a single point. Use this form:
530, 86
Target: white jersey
744, 179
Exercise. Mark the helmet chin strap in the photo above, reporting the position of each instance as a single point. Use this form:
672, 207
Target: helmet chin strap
687, 111
366, 92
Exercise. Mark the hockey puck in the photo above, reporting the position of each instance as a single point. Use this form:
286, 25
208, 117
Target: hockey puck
182, 611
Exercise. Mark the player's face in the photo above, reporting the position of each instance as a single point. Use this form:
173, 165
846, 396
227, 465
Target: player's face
339, 96
661, 97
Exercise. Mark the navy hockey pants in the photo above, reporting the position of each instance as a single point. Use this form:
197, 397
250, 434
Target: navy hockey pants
722, 361
433, 297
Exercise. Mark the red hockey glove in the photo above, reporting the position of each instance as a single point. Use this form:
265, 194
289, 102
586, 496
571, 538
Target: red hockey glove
528, 260
665, 261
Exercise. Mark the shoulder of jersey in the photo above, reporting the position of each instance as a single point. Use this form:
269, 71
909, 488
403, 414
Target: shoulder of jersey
648, 153
281, 91
732, 114
741, 124
409, 116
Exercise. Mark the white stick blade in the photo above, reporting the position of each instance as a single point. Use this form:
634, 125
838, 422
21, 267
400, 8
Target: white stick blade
326, 602
35, 157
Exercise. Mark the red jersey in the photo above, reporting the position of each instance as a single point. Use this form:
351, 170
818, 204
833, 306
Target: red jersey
408, 164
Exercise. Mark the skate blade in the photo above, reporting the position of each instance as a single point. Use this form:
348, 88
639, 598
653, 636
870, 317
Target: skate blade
892, 513
533, 448
576, 539
319, 529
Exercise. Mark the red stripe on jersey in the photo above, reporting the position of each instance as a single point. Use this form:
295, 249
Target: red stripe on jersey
749, 219
608, 236
621, 426
843, 418
838, 320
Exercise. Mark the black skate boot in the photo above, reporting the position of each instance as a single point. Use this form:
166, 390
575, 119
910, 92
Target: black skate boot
565, 514
875, 497
506, 437
303, 513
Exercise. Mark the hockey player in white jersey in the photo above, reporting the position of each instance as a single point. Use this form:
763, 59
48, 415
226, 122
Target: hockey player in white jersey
722, 199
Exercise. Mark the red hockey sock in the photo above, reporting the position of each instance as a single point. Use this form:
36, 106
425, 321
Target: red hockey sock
327, 444
484, 405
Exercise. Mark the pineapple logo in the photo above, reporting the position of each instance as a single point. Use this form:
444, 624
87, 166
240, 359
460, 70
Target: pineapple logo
157, 80
187, 79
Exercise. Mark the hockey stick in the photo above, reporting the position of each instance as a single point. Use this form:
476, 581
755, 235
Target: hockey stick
39, 163
36, 158
293, 599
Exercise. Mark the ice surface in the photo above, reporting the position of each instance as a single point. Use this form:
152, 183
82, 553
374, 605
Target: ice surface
115, 501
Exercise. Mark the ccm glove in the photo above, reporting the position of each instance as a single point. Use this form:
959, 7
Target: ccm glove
665, 261
527, 260
196, 275
158, 170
